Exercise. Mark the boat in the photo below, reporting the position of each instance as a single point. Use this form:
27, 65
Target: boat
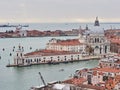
7, 25
24, 65
53, 62
61, 69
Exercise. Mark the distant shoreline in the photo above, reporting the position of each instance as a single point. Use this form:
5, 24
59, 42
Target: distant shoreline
35, 37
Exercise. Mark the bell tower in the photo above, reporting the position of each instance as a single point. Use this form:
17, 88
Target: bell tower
96, 22
19, 57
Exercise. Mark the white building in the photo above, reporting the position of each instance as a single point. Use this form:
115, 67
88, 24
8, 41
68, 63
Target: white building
73, 45
45, 57
22, 33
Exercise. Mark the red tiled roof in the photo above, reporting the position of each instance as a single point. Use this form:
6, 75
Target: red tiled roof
112, 70
117, 41
75, 81
92, 87
71, 42
49, 52
117, 77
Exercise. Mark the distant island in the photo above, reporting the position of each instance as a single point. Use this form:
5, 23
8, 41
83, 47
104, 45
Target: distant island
19, 32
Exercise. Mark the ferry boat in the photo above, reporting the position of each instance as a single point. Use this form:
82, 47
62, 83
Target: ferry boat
8, 25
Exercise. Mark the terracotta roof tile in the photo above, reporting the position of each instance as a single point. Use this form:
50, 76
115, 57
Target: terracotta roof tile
71, 42
49, 52
112, 70
75, 81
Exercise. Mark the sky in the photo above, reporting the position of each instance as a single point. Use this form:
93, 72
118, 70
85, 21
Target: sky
50, 11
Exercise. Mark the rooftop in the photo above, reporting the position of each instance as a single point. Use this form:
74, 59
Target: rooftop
117, 41
49, 52
75, 81
111, 70
70, 42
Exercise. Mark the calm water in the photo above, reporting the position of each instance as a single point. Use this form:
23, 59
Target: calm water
15, 78
61, 26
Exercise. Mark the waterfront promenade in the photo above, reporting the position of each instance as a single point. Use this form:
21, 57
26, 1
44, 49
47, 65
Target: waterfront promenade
83, 58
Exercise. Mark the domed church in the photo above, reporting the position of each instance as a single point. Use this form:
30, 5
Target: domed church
92, 42
96, 42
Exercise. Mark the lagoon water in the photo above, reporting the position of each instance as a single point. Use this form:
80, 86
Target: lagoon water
22, 78
60, 26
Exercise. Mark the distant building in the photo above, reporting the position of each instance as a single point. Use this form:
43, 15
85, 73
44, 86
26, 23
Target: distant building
66, 45
115, 45
22, 33
91, 41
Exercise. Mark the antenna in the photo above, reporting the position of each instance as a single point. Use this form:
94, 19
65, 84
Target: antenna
42, 79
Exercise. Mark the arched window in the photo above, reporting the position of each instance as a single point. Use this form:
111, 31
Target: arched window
34, 60
21, 54
97, 39
78, 57
51, 58
96, 47
105, 49
39, 59
65, 58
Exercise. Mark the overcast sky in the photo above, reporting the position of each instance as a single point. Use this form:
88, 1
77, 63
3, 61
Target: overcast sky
59, 10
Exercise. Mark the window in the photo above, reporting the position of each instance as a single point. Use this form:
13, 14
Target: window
21, 54
97, 39
35, 60
51, 58
78, 57
65, 58
110, 64
39, 59
44, 58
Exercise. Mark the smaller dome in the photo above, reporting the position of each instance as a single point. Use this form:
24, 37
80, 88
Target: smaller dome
96, 30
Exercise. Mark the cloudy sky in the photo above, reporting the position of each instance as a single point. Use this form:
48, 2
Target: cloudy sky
59, 10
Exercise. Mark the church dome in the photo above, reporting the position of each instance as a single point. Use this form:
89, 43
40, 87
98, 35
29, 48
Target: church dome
96, 28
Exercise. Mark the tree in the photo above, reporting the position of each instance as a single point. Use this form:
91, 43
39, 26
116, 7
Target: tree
89, 50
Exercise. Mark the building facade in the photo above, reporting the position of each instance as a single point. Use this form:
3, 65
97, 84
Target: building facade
92, 42
95, 40
73, 45
45, 57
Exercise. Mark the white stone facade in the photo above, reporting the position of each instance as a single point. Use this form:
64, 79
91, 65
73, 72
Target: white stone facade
23, 33
66, 45
99, 43
21, 59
